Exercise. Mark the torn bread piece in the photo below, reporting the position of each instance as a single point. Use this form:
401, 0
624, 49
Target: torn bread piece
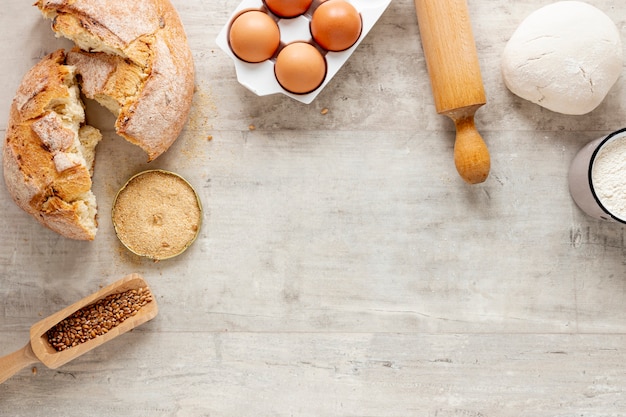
49, 151
133, 58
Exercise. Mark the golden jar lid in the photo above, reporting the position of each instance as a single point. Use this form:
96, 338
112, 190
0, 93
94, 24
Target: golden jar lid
157, 214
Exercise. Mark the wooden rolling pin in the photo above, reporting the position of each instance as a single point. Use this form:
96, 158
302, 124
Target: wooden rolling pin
457, 86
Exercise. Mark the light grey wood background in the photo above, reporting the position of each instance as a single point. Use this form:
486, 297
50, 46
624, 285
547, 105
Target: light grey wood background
343, 267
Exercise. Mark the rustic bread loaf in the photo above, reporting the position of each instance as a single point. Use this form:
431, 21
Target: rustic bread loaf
48, 154
134, 59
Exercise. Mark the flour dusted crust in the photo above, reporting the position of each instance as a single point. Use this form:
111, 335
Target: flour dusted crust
133, 58
48, 154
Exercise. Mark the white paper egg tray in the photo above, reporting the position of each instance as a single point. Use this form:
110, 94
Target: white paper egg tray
259, 77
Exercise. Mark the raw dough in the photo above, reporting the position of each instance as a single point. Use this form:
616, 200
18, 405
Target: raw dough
565, 57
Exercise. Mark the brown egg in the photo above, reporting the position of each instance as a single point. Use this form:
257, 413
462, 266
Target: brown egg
336, 25
254, 36
300, 68
288, 8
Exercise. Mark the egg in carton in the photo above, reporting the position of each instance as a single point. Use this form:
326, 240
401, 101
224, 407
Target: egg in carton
277, 48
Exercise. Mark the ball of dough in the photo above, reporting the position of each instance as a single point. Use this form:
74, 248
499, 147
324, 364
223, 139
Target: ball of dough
565, 57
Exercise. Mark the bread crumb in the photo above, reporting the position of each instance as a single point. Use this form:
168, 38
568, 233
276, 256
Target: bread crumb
34, 370
209, 138
324, 111
157, 215
251, 127
199, 125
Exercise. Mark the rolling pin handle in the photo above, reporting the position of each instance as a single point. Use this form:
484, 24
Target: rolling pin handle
471, 155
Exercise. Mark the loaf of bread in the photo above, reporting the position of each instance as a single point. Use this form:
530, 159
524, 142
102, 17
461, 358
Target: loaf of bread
48, 155
134, 59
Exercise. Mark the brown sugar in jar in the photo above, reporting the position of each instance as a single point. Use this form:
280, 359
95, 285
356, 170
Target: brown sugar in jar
157, 214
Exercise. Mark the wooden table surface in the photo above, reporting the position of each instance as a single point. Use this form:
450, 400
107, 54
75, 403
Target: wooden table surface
343, 267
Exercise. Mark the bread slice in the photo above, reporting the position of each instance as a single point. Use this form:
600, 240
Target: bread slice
49, 151
134, 59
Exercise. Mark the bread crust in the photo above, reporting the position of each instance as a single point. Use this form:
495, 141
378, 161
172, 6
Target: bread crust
145, 36
43, 169
133, 57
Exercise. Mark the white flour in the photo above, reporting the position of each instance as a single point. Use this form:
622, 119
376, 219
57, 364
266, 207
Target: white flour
608, 175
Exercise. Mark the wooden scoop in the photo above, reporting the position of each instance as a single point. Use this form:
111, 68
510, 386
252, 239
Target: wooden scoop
39, 348
457, 86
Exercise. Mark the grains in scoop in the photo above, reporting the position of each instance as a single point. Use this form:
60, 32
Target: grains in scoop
98, 318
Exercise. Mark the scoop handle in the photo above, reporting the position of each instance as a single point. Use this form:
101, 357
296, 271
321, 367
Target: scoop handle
471, 156
16, 361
